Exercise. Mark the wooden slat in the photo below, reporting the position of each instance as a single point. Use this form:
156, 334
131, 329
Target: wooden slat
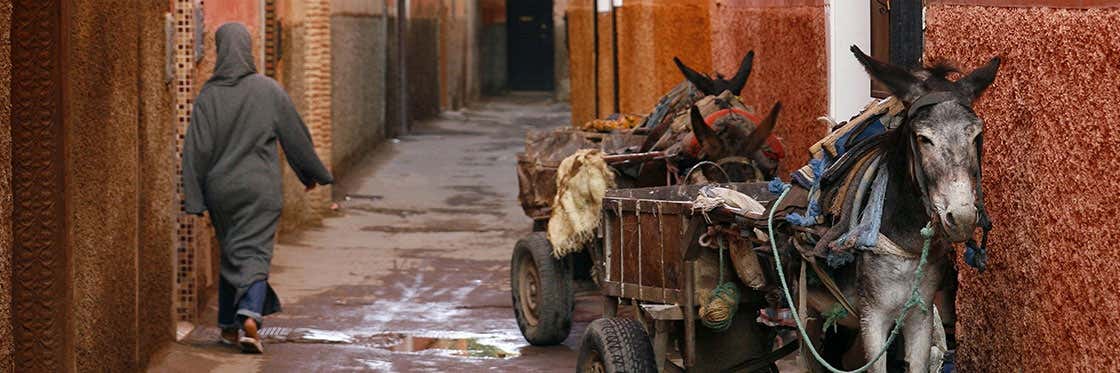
650, 256
641, 293
670, 238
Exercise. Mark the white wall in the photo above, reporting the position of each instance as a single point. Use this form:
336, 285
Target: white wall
849, 22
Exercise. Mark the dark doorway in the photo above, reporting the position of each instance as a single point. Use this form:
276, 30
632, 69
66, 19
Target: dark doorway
530, 30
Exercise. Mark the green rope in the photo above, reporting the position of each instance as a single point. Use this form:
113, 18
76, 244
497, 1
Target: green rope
727, 291
915, 297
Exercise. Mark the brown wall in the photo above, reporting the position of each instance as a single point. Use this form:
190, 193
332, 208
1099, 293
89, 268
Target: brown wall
5, 189
581, 59
306, 71
157, 205
102, 169
790, 64
650, 34
1049, 298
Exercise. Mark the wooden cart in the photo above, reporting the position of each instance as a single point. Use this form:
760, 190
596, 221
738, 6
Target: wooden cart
541, 285
648, 261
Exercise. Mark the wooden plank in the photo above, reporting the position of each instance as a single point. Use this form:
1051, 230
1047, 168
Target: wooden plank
645, 294
630, 266
649, 240
690, 239
689, 315
670, 238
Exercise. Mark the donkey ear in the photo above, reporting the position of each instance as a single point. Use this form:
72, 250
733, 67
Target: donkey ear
700, 128
740, 79
763, 130
900, 82
978, 80
701, 81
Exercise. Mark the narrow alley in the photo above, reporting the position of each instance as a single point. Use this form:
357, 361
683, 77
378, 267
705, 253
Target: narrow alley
412, 272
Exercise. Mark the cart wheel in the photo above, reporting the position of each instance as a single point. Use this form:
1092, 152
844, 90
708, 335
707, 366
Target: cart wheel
616, 344
542, 291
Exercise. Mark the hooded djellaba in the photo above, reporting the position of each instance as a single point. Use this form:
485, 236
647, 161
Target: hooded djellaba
231, 169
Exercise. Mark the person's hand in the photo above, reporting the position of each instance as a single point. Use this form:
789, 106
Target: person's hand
311, 187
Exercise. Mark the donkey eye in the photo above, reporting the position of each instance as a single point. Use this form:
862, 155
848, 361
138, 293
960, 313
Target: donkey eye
925, 140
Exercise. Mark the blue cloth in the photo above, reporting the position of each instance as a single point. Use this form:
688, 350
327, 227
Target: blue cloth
231, 316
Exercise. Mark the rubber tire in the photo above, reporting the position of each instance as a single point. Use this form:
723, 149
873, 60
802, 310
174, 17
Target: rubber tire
557, 301
622, 344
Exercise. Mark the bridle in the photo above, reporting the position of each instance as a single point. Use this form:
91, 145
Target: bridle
985, 223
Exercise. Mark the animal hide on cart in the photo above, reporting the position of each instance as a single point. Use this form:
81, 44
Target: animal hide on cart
581, 182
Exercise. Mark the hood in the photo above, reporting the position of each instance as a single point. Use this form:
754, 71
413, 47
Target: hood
235, 54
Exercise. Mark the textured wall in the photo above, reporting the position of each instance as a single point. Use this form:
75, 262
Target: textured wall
306, 68
422, 55
581, 59
453, 54
650, 34
394, 114
493, 47
560, 50
790, 65
102, 170
358, 89
604, 60
5, 189
1049, 298
158, 204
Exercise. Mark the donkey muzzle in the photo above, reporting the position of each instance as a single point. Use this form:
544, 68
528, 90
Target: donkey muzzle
959, 221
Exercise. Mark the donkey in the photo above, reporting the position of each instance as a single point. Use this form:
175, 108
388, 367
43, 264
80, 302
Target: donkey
712, 87
933, 167
730, 135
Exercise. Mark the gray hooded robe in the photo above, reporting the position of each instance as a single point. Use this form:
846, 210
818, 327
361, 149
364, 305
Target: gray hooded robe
230, 161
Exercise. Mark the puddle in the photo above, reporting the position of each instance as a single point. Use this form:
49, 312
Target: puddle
453, 344
499, 345
462, 347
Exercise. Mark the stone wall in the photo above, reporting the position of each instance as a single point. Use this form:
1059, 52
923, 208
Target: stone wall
790, 64
5, 189
1047, 301
359, 56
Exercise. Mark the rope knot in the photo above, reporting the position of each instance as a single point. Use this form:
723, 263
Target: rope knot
927, 232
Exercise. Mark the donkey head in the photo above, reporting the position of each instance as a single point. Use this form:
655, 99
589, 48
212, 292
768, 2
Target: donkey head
941, 135
712, 87
733, 135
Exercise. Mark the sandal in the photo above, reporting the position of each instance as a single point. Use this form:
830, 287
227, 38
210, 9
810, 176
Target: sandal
251, 342
228, 337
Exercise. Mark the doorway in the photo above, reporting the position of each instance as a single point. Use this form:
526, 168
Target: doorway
530, 32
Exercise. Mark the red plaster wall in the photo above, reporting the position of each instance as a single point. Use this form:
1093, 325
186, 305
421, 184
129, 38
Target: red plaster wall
651, 33
605, 72
790, 64
581, 59
1049, 300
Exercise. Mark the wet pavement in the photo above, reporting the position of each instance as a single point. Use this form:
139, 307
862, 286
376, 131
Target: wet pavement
417, 280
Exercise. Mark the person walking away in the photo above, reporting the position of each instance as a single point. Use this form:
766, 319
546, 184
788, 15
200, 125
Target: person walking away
231, 168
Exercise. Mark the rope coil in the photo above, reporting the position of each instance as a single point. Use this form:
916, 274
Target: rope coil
718, 311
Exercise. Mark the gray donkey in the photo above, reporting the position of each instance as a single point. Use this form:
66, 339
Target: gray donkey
932, 165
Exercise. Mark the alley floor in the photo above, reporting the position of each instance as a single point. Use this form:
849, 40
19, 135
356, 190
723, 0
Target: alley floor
417, 280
